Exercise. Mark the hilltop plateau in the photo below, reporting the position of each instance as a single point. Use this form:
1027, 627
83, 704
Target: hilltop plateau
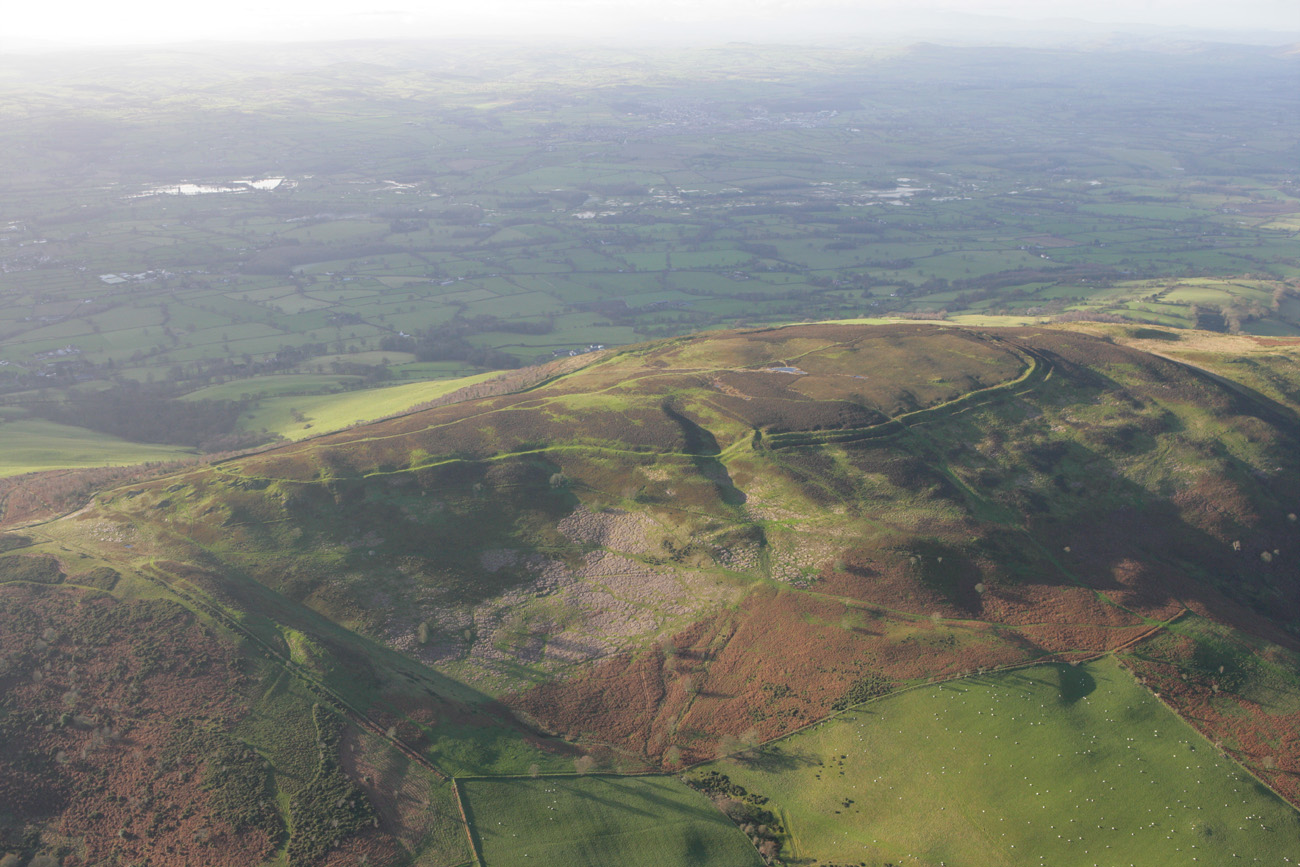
393, 643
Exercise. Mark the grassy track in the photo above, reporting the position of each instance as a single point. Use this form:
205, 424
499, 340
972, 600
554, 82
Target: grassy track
600, 821
1047, 765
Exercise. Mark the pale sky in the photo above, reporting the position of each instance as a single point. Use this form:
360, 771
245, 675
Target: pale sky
153, 21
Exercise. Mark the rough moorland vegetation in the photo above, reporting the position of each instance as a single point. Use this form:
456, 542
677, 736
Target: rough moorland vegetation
689, 548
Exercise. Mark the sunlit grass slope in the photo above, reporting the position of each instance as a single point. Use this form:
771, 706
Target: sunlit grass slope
297, 417
1047, 765
30, 445
33, 445
598, 821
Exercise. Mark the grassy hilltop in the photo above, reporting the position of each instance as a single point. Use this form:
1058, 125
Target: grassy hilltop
663, 555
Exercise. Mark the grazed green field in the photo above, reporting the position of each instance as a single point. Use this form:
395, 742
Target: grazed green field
32, 445
600, 821
1047, 765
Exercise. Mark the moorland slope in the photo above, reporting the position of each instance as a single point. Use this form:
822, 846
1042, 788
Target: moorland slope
676, 551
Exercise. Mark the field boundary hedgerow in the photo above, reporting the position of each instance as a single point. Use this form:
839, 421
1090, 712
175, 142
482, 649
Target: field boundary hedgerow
1057, 658
1075, 658
660, 804
1050, 753
464, 818
1222, 750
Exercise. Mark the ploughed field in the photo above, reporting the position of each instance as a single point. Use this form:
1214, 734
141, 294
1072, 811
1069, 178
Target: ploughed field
686, 549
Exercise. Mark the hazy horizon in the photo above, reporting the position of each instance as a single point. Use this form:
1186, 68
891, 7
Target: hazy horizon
150, 22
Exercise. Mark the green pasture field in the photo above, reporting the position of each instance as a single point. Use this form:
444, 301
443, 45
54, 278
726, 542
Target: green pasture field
415, 320
32, 445
1271, 328
648, 261
241, 331
596, 821
421, 319
293, 304
377, 356
460, 293
337, 230
336, 295
432, 370
576, 337
1201, 295
524, 304
994, 321
533, 265
323, 413
382, 308
259, 296
711, 259
1046, 765
1139, 313
270, 386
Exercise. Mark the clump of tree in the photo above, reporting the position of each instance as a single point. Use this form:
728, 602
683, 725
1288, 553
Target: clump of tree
747, 809
151, 414
39, 569
330, 808
570, 198
1090, 316
370, 374
866, 687
13, 541
1240, 313
101, 577
449, 342
283, 258
1210, 319
462, 214
236, 779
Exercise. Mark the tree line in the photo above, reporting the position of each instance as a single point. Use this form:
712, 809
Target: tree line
150, 413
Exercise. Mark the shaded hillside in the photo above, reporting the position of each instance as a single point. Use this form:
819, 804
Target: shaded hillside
693, 545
